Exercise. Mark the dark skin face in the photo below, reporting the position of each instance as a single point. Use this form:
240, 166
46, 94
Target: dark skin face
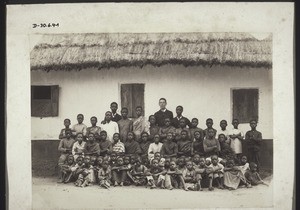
79, 161
80, 119
67, 123
138, 112
157, 155
182, 123
196, 158
152, 120
230, 164
99, 161
68, 134
169, 137
214, 160
108, 116
145, 137
221, 138
70, 161
253, 168
202, 162
179, 111
105, 165
130, 137
253, 125
93, 121
126, 160
155, 163
167, 163
211, 133
116, 137
180, 163
172, 165
209, 123
194, 123
113, 156
124, 113
79, 138
223, 125
91, 138
197, 136
87, 160
189, 166
113, 108
103, 136
235, 124
183, 136
167, 122
156, 139
120, 162
244, 159
137, 162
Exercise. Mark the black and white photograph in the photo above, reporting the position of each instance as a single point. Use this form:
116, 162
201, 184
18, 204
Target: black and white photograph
174, 119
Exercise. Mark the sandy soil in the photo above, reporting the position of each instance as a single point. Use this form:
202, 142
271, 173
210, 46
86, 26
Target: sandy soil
47, 194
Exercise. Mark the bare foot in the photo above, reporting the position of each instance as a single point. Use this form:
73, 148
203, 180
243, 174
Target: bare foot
210, 188
121, 184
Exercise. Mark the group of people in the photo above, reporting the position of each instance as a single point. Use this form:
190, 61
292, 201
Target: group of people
163, 151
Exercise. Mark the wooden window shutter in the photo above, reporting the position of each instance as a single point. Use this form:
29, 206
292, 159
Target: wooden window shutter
54, 99
132, 95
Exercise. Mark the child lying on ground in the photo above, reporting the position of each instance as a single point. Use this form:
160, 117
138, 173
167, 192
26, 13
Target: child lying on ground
253, 177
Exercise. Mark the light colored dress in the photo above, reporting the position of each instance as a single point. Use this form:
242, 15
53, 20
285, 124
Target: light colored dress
111, 128
232, 179
139, 126
236, 144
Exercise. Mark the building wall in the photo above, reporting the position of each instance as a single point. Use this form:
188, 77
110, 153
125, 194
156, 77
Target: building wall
203, 92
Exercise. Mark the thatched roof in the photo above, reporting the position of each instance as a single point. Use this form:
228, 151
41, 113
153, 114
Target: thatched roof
80, 51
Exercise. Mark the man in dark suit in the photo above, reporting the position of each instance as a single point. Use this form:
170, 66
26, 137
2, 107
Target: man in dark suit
175, 120
163, 113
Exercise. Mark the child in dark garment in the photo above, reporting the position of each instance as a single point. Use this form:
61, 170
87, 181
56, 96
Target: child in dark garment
253, 177
190, 176
66, 169
202, 174
184, 145
158, 173
197, 144
174, 177
86, 177
118, 174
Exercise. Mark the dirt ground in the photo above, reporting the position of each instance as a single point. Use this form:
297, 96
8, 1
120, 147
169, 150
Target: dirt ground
47, 194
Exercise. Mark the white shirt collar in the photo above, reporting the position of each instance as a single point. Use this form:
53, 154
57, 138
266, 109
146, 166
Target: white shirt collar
163, 110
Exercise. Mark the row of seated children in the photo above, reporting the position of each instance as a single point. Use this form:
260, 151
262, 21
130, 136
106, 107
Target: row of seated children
185, 172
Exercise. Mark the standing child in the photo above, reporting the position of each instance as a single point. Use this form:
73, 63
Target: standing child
144, 145
67, 123
182, 127
236, 136
223, 130
125, 124
253, 176
253, 139
65, 146
175, 121
109, 126
80, 127
104, 175
233, 176
104, 144
78, 146
209, 124
197, 147
114, 115
154, 147
169, 149
210, 144
184, 144
153, 128
194, 128
118, 146
131, 146
167, 128
94, 128
139, 123
217, 173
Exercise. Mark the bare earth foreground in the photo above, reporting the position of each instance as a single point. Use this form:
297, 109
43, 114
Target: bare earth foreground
47, 194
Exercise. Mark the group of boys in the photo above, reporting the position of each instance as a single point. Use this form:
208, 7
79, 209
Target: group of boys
171, 152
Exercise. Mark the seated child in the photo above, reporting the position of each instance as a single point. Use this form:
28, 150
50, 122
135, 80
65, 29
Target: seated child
253, 177
233, 176
113, 159
167, 128
197, 144
210, 144
78, 146
184, 144
131, 145
98, 166
86, 176
217, 172
65, 147
194, 128
118, 173
62, 134
158, 173
190, 177
202, 174
65, 169
104, 175
181, 165
140, 175
226, 151
104, 144
157, 156
169, 149
182, 127
244, 165
174, 178
77, 169
196, 161
127, 167
91, 147
118, 146
144, 145
154, 147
